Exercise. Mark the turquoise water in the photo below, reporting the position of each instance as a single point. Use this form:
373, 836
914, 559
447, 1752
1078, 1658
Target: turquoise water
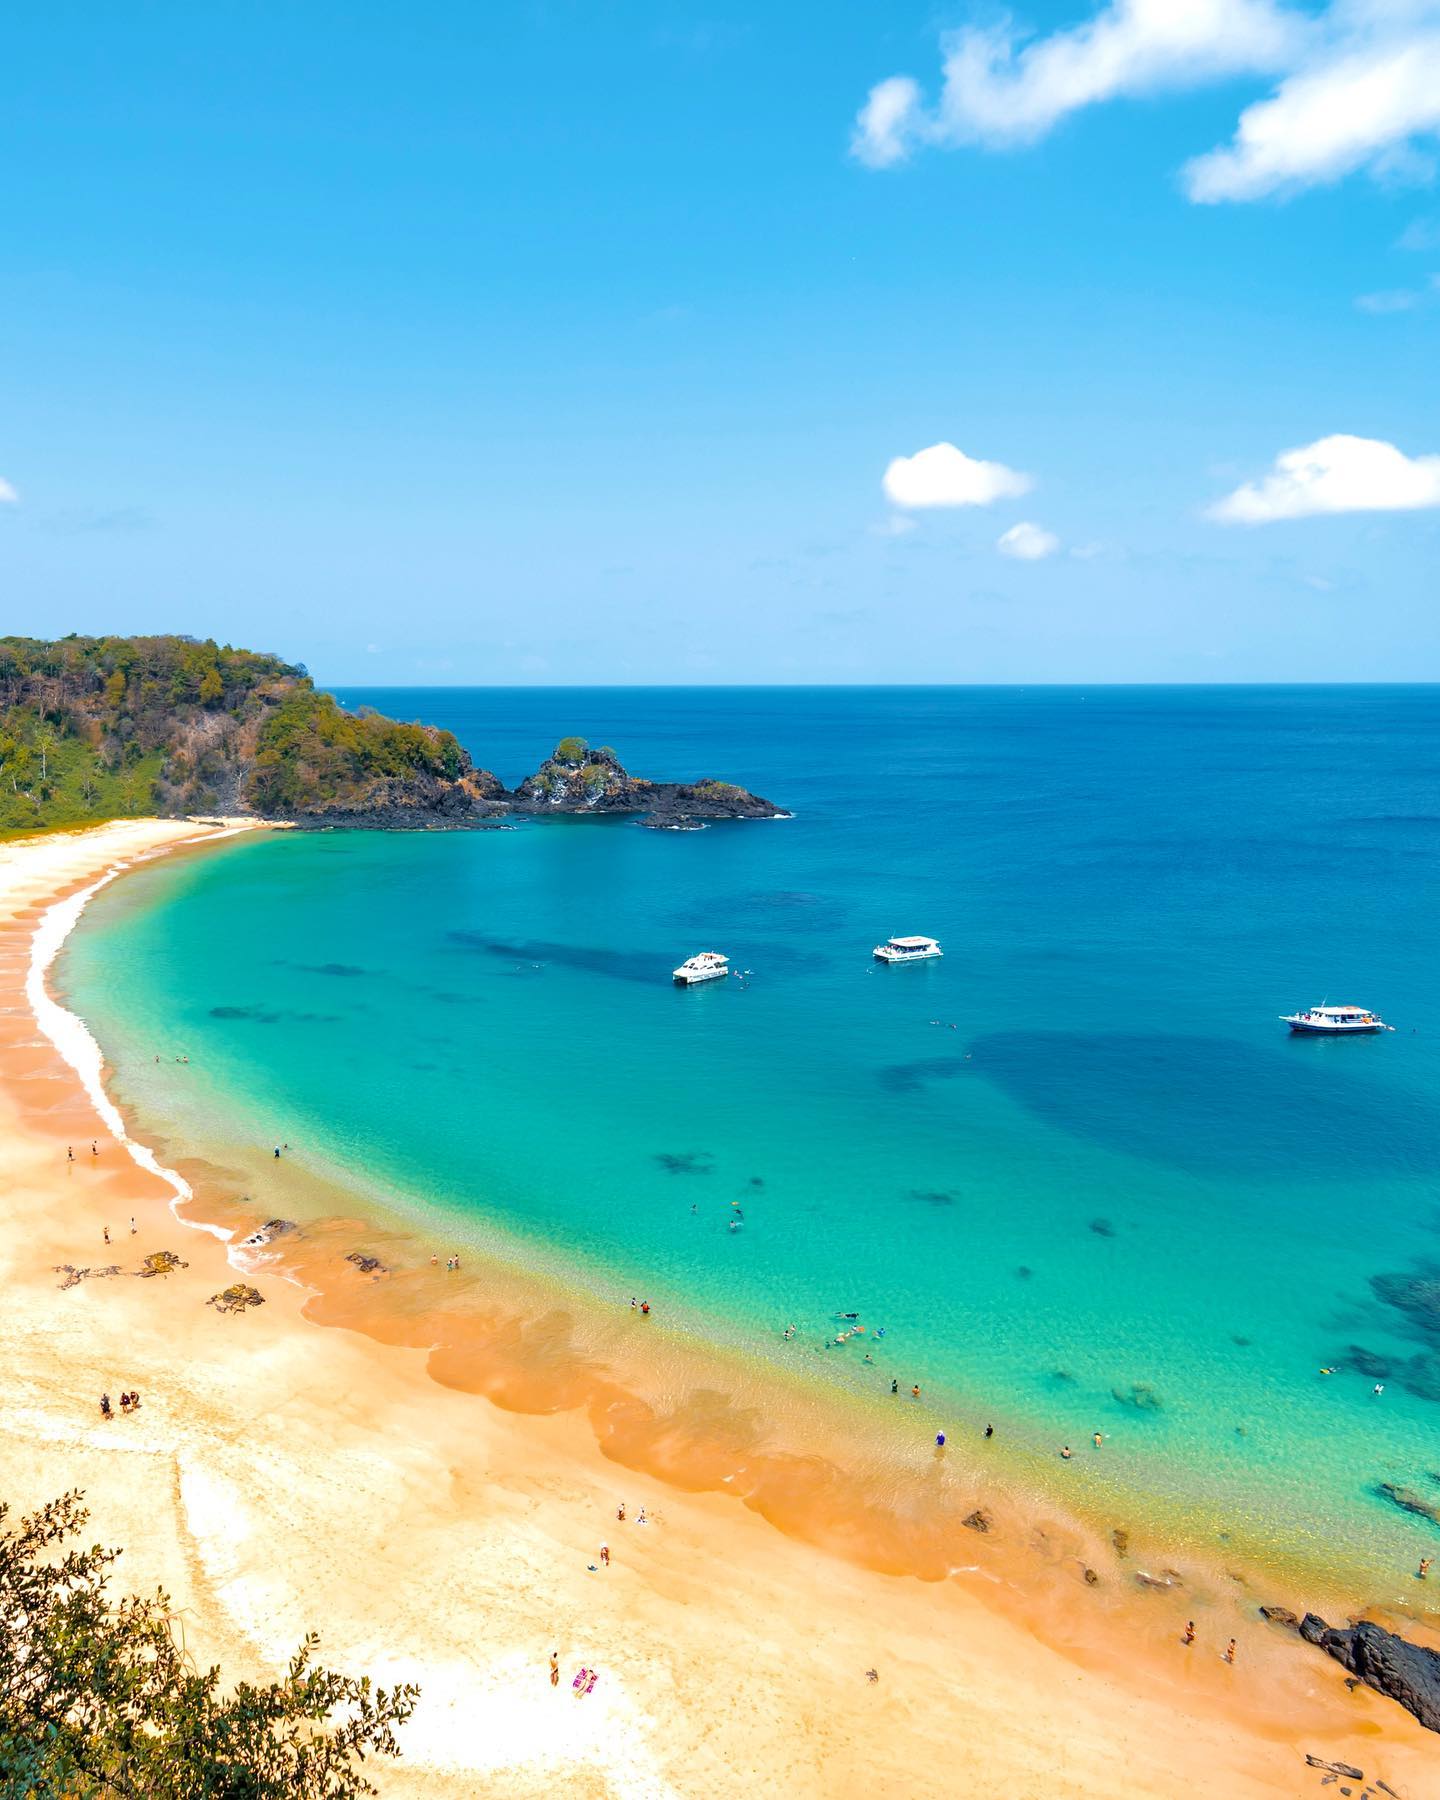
1076, 1170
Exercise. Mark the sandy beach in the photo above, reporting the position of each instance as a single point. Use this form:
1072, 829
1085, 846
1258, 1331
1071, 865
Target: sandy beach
285, 1474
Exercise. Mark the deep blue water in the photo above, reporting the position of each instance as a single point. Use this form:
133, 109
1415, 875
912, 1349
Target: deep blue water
1077, 1169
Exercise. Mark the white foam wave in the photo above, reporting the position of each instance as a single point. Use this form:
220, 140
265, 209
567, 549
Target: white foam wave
72, 1037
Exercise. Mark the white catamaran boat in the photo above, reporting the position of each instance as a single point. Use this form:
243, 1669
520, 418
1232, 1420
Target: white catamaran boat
709, 965
907, 949
1334, 1021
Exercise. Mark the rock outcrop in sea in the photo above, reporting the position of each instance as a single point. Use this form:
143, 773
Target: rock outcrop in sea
578, 779
1391, 1665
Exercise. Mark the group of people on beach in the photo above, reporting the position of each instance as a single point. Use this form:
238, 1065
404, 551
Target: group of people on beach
585, 1678
1188, 1637
129, 1402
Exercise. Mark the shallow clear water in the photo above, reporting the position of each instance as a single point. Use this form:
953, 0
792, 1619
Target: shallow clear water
1077, 1170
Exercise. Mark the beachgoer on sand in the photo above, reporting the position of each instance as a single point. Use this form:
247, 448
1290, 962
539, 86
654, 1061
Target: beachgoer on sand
1230, 1651
69, 1153
620, 1511
107, 1234
605, 1555
1189, 1637
133, 1226
554, 1668
105, 1412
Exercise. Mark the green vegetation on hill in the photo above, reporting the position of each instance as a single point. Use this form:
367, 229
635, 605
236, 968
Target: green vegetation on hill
112, 727
311, 751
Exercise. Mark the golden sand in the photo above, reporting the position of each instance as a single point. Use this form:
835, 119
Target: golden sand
280, 1477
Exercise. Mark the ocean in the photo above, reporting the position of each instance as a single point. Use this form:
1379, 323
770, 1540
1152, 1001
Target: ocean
1073, 1177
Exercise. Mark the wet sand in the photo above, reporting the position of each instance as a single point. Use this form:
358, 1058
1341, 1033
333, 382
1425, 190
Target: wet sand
280, 1476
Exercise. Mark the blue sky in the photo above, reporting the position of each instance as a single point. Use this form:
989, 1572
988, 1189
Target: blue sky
557, 343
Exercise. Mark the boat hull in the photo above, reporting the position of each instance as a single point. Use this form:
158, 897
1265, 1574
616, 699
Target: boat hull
891, 956
1306, 1030
695, 980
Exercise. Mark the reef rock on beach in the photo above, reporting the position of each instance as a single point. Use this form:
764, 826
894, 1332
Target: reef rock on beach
1391, 1665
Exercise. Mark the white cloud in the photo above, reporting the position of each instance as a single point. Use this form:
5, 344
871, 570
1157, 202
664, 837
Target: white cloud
893, 525
945, 476
1420, 234
883, 122
1358, 87
998, 90
1391, 300
1027, 542
8, 496
1334, 475
1354, 108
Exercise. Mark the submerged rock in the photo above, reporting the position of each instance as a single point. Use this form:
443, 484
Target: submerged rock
1417, 1295
979, 1520
1120, 1538
1140, 1395
367, 1265
1421, 1375
1281, 1615
1404, 1672
1368, 1362
1408, 1500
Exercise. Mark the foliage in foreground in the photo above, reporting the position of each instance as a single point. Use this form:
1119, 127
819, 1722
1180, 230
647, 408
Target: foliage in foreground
99, 1700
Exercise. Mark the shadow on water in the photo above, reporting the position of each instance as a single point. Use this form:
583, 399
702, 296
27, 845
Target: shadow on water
265, 1015
915, 1077
1209, 1105
621, 965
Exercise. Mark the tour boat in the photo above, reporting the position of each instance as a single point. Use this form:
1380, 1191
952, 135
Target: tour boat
907, 949
1333, 1021
709, 965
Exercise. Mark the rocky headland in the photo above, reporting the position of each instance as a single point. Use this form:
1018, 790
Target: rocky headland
104, 728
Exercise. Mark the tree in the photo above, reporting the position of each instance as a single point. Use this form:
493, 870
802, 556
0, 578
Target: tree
99, 1700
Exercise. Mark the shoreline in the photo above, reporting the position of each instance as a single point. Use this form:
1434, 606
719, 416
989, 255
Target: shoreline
1086, 1640
493, 1332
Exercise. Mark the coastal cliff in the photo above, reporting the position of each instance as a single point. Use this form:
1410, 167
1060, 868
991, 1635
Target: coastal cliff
115, 727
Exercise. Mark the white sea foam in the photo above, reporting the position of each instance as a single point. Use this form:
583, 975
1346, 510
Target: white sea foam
72, 1037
